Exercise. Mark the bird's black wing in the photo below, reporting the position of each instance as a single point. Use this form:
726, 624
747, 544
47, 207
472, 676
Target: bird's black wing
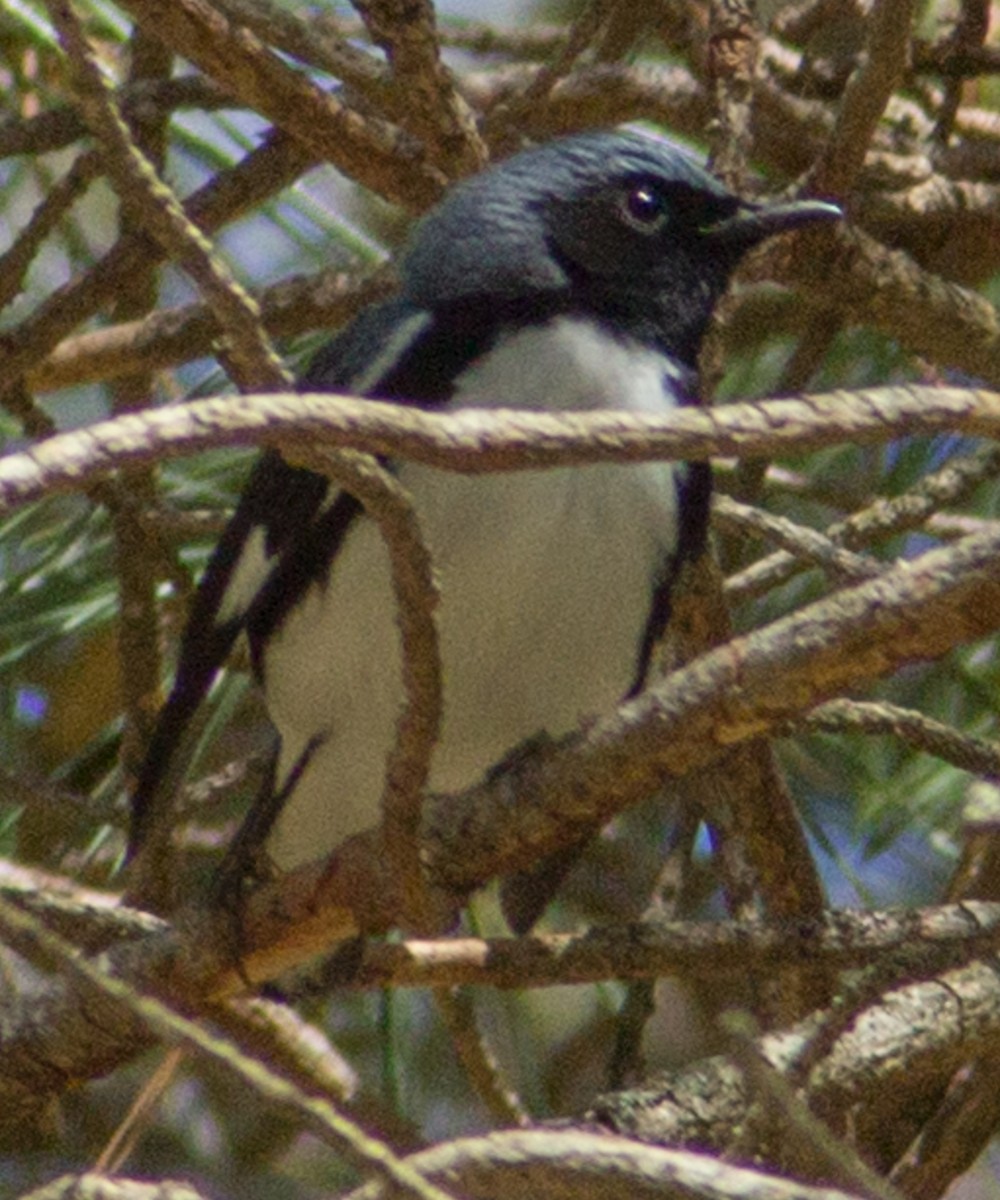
275, 527
290, 521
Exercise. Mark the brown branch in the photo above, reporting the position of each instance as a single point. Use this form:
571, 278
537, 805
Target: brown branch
93, 920
962, 750
865, 99
926, 202
950, 484
885, 289
733, 44
651, 948
364, 148
780, 1111
879, 1071
275, 163
275, 1033
456, 1008
505, 122
968, 35
436, 112
588, 1164
248, 348
68, 806
58, 127
510, 1165
15, 263
17, 259
955, 1135
315, 43
940, 937
953, 60
789, 131
821, 329
171, 336
601, 94
481, 441
138, 555
801, 20
536, 41
798, 541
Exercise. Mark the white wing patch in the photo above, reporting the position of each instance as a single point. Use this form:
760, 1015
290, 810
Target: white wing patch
392, 350
255, 564
251, 570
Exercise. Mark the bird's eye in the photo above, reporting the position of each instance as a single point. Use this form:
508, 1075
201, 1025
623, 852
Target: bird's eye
644, 207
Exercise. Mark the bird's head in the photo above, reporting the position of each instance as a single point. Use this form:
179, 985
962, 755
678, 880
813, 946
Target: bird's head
622, 225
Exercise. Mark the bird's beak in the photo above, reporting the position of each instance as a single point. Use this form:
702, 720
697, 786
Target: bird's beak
752, 223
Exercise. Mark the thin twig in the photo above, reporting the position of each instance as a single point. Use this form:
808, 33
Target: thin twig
162, 214
733, 42
801, 542
171, 336
868, 92
364, 147
227, 196
60, 198
457, 1010
316, 1114
962, 750
435, 110
950, 484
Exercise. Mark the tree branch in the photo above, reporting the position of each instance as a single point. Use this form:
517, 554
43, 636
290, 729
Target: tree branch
365, 148
481, 441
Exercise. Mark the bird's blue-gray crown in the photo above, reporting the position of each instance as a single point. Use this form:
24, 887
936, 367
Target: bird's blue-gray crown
626, 224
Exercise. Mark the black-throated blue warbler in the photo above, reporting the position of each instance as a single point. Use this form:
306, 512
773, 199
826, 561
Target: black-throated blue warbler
576, 275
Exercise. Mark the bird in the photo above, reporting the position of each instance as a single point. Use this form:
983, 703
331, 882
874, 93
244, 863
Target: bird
578, 274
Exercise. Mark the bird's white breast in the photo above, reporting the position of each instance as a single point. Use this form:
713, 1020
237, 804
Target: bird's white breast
546, 581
